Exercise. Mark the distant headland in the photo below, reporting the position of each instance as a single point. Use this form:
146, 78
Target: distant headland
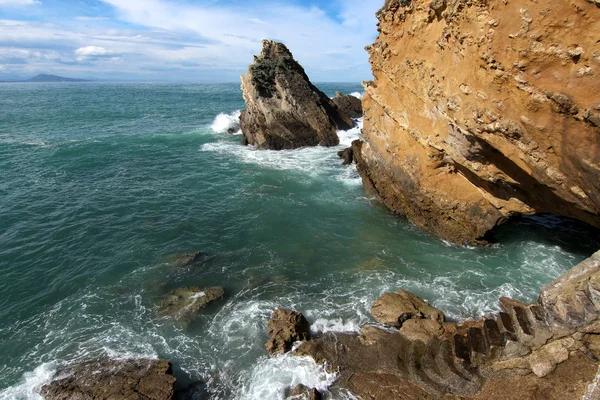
47, 78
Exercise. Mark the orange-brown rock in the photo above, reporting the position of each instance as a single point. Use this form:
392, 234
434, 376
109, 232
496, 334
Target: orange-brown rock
484, 110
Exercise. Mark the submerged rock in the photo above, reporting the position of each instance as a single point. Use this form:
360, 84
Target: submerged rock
184, 304
302, 392
184, 260
284, 328
284, 109
394, 308
348, 104
109, 379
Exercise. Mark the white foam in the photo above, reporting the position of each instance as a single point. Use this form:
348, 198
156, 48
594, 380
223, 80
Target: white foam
322, 325
357, 94
225, 122
272, 376
31, 383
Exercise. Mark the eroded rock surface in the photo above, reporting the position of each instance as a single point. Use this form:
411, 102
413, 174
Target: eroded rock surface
284, 109
284, 328
109, 379
302, 392
481, 111
348, 104
556, 338
394, 308
183, 304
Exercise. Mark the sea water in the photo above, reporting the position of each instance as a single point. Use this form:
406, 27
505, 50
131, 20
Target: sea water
101, 184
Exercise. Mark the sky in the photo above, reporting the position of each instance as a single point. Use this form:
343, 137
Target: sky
182, 40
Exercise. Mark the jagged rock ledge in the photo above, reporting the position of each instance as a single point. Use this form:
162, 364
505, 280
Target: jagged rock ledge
284, 110
482, 111
132, 379
501, 356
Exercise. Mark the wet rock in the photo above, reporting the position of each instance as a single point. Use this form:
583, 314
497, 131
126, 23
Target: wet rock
231, 131
348, 104
302, 392
193, 391
184, 304
183, 260
284, 110
421, 329
394, 308
346, 155
284, 328
113, 379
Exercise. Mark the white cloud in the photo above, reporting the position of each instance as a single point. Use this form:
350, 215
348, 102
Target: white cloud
179, 40
85, 18
18, 3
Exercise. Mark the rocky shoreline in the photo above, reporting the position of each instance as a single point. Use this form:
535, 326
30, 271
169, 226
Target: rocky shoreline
549, 349
458, 153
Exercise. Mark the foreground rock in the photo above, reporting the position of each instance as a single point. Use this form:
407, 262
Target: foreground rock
302, 392
348, 104
183, 304
394, 308
113, 379
503, 356
284, 109
482, 111
284, 328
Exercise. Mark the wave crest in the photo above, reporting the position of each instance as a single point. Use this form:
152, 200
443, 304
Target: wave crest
227, 123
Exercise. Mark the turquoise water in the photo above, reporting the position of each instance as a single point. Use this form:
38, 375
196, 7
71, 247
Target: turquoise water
102, 183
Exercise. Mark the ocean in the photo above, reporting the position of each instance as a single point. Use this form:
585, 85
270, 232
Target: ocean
102, 184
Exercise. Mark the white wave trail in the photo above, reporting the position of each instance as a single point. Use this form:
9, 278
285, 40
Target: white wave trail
31, 384
226, 123
357, 94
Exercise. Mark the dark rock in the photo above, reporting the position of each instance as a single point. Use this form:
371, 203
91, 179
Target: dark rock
302, 392
395, 308
284, 110
113, 379
184, 304
284, 328
193, 391
348, 104
231, 131
346, 155
183, 260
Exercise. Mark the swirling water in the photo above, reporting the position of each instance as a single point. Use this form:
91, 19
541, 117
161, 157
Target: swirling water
102, 183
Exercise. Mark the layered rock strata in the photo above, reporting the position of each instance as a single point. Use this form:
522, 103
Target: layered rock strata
430, 359
113, 379
484, 110
284, 110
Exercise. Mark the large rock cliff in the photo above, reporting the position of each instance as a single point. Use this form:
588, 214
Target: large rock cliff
284, 109
484, 110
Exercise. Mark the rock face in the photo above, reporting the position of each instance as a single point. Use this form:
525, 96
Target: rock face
183, 304
348, 104
284, 109
481, 111
302, 392
113, 379
557, 338
394, 308
284, 328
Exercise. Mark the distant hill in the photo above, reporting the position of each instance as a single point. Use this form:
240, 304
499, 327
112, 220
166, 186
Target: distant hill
53, 78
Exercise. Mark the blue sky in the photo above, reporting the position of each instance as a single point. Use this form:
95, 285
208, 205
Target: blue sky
182, 40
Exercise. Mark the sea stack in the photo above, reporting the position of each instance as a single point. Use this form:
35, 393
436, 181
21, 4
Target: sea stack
284, 109
483, 111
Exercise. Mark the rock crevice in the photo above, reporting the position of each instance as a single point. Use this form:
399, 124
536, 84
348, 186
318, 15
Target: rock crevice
480, 112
